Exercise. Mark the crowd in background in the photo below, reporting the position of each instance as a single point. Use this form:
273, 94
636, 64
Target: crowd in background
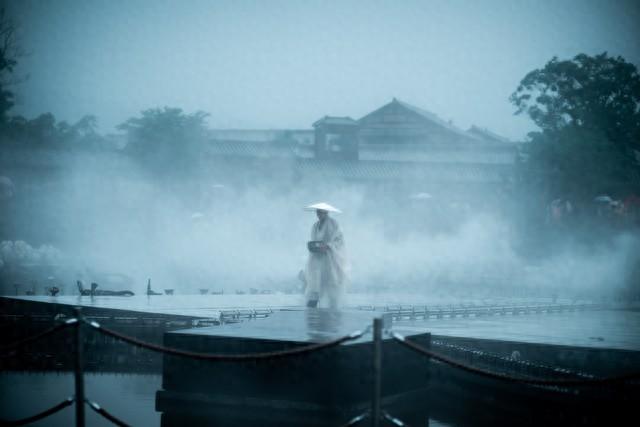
621, 214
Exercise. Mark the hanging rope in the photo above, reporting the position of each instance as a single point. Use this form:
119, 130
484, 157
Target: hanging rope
393, 420
100, 410
228, 357
356, 420
572, 382
44, 414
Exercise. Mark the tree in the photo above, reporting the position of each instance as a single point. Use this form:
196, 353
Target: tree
166, 141
588, 109
83, 134
45, 132
9, 53
576, 163
42, 130
598, 92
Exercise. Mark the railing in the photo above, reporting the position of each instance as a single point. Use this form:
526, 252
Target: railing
376, 414
424, 312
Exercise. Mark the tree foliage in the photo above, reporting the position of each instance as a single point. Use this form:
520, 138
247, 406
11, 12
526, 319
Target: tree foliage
577, 163
45, 131
588, 109
9, 53
166, 141
599, 92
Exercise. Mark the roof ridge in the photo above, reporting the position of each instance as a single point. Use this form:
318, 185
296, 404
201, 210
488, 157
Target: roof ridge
431, 116
427, 115
486, 131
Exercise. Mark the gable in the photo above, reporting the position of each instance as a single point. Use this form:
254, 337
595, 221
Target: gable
391, 114
399, 122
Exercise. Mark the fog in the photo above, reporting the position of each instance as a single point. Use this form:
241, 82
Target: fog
284, 64
157, 161
103, 215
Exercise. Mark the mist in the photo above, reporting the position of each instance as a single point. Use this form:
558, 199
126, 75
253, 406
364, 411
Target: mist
85, 70
104, 215
161, 168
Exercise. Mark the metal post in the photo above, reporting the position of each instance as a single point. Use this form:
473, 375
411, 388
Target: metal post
377, 372
78, 371
429, 361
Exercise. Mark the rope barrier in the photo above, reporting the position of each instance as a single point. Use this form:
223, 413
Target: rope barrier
227, 357
393, 420
100, 410
356, 420
44, 414
574, 382
283, 353
513, 363
10, 348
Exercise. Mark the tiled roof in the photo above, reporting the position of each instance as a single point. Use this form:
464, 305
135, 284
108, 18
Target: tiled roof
262, 135
342, 121
426, 115
434, 118
420, 153
486, 134
249, 149
372, 170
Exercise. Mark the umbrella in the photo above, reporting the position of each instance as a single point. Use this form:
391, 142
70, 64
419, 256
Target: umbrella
603, 199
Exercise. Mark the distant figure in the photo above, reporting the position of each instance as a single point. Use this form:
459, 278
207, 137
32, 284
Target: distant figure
93, 291
53, 291
325, 273
81, 289
34, 284
559, 212
149, 290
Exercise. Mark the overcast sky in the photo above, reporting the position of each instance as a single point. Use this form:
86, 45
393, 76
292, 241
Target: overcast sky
284, 64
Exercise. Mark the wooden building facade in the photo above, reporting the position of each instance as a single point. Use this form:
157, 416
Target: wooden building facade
396, 142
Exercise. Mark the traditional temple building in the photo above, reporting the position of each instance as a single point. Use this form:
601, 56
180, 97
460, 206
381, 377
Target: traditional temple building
397, 142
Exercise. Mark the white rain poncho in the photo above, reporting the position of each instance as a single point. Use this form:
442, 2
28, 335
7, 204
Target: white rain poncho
326, 272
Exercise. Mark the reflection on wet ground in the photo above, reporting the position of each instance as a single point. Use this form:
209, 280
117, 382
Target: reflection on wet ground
331, 383
321, 328
129, 397
132, 396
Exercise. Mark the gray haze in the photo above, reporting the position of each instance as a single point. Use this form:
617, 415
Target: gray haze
103, 215
284, 64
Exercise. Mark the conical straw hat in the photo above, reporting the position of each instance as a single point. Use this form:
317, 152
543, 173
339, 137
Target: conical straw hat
322, 207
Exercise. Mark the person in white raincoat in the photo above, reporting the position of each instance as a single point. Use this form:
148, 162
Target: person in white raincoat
326, 270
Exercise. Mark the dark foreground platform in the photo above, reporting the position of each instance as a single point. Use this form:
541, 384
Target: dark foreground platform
329, 384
